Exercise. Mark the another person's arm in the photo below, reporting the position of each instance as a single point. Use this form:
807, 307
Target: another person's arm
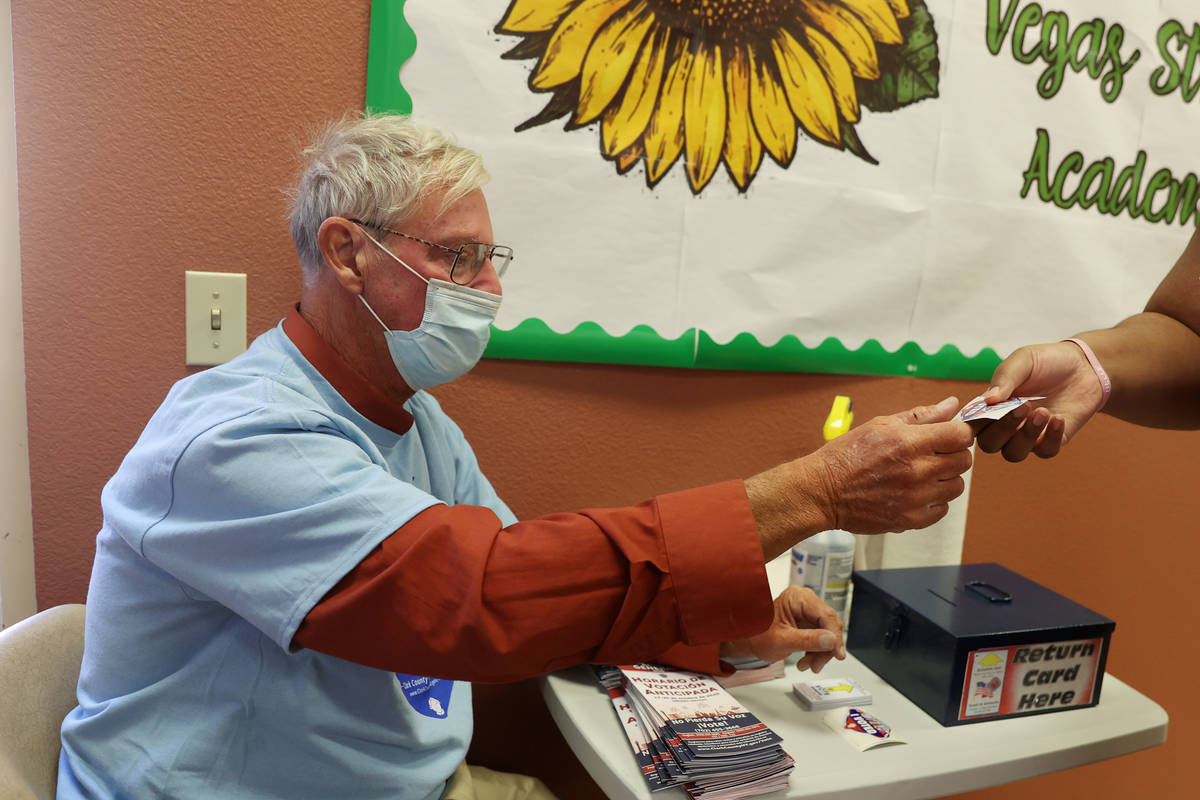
1151, 359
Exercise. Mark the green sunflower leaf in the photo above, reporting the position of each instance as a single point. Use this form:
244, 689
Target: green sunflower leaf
909, 71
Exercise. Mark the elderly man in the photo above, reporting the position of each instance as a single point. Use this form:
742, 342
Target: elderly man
301, 564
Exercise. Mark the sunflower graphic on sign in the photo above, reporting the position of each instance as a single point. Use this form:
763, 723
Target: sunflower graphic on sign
717, 82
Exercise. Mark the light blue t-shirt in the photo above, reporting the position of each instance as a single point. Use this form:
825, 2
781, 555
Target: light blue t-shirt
253, 490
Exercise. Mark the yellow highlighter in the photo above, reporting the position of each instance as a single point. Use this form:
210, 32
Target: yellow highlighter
841, 417
823, 562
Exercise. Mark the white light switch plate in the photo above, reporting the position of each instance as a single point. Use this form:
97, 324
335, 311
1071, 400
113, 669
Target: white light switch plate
215, 304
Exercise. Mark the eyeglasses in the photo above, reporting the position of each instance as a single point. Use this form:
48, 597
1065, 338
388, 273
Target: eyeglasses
468, 259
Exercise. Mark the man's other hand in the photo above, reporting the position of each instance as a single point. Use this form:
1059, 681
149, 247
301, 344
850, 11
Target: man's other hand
802, 622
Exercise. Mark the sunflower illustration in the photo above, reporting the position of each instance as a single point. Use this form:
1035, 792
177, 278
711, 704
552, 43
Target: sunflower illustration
721, 81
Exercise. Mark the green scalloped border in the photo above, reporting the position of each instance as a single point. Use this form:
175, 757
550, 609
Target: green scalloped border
392, 42
789, 354
588, 342
534, 340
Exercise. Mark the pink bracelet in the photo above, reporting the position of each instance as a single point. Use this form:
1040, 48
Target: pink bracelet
1105, 383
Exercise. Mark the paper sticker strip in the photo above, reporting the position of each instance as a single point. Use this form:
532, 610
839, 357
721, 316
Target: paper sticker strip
979, 409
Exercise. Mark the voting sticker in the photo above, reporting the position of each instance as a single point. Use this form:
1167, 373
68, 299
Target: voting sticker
862, 730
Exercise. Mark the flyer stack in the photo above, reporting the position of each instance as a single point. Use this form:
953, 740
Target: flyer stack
686, 730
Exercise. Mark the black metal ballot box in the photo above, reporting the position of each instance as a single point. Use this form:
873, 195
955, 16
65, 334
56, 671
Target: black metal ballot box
977, 642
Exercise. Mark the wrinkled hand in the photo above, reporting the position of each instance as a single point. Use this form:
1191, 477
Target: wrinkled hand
1061, 372
899, 472
802, 622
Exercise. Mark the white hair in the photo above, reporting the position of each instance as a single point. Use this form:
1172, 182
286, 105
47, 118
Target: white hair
379, 169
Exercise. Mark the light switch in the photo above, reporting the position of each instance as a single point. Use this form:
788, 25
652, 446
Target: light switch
215, 306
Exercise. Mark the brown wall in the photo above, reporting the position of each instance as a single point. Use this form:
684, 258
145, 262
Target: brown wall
155, 138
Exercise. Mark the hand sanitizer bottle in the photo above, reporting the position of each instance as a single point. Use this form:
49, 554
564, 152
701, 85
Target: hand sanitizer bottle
823, 562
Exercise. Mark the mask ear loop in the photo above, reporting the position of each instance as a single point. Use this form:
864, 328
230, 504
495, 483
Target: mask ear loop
373, 314
401, 262
398, 259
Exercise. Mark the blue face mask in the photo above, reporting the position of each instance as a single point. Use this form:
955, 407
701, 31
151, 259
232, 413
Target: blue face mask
451, 337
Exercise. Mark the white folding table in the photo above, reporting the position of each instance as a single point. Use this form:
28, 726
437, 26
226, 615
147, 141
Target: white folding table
935, 761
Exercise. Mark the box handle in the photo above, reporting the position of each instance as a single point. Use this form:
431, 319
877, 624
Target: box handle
989, 592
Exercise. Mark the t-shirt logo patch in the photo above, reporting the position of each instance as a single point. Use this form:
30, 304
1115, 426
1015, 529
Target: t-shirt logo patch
428, 696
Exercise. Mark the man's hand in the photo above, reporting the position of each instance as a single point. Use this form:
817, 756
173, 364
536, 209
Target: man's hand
892, 473
1061, 373
802, 622
898, 472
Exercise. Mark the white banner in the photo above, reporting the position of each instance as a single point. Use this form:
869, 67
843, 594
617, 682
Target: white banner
981, 174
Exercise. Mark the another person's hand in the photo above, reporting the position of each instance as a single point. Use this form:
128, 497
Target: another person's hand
1059, 371
802, 622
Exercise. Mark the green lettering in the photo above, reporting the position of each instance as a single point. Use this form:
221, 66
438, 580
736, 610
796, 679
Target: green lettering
1177, 70
1090, 195
1189, 190
1114, 81
1055, 41
1071, 164
1029, 16
1158, 181
1128, 194
1190, 90
997, 29
1039, 167
1129, 180
1088, 33
1166, 79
